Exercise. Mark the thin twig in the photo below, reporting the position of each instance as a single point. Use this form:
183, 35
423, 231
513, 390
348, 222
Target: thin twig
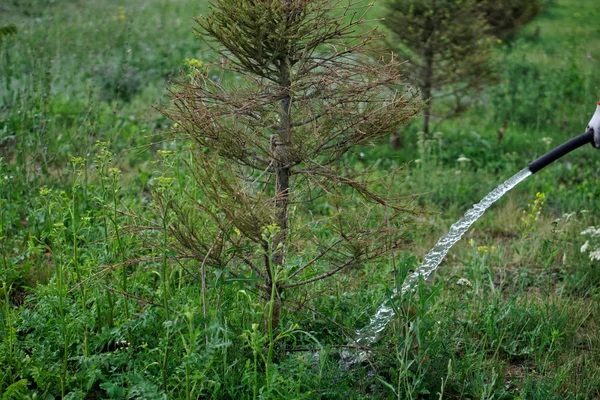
139, 299
315, 258
322, 276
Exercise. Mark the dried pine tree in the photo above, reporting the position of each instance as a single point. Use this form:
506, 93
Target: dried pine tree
271, 137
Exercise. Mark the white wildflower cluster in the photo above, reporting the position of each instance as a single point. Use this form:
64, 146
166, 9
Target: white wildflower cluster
595, 255
464, 282
122, 345
567, 216
592, 231
594, 247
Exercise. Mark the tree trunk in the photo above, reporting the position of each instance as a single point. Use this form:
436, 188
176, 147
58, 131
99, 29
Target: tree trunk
282, 194
395, 141
426, 88
280, 145
281, 160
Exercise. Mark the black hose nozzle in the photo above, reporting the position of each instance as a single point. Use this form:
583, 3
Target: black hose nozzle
561, 150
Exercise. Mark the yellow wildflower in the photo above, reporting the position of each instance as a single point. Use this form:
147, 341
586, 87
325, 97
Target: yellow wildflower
114, 172
194, 63
533, 210
121, 15
196, 66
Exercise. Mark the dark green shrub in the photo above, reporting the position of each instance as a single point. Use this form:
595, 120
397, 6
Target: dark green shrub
118, 82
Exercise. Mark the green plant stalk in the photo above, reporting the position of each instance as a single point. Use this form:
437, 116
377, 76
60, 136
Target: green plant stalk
224, 356
75, 251
164, 264
9, 336
102, 174
550, 351
104, 217
163, 368
190, 346
75, 258
188, 393
445, 381
270, 322
119, 243
204, 296
187, 367
85, 185
255, 386
3, 236
111, 308
57, 249
403, 371
394, 266
63, 318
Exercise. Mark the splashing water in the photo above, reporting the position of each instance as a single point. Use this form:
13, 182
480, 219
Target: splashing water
369, 334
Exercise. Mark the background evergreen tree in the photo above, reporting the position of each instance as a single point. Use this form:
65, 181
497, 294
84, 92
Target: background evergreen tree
271, 136
506, 17
447, 45
7, 30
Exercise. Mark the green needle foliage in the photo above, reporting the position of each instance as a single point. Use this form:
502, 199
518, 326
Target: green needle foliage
270, 140
7, 31
506, 17
448, 47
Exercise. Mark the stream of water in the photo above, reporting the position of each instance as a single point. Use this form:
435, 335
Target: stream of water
370, 333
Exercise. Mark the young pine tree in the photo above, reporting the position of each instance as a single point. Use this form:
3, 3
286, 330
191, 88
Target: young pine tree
6, 31
447, 45
271, 133
506, 17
